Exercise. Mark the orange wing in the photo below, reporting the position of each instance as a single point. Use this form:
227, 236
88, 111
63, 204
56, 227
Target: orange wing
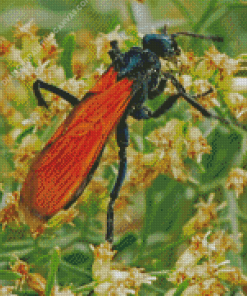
61, 167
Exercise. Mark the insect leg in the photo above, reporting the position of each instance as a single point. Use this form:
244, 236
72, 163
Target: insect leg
195, 104
115, 51
145, 113
158, 90
115, 55
38, 84
123, 142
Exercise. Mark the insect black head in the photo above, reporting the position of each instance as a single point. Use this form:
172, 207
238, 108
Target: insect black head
161, 44
165, 45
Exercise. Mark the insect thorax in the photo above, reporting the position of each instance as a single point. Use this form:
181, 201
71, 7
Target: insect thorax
139, 64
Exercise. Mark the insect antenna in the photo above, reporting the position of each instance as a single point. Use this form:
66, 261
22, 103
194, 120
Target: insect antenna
214, 38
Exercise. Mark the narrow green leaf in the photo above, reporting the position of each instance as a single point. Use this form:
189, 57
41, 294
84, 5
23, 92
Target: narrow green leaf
242, 215
76, 270
55, 259
24, 293
9, 275
231, 2
42, 260
24, 133
7, 256
232, 215
184, 11
158, 252
19, 244
152, 288
215, 16
182, 287
63, 241
205, 16
85, 288
66, 57
128, 240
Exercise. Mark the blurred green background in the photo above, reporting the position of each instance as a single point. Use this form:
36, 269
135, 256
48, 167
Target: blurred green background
226, 18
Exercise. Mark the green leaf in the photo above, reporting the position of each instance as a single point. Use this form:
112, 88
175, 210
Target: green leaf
163, 201
157, 252
19, 244
55, 260
184, 11
195, 42
205, 16
215, 16
24, 134
113, 22
63, 241
66, 56
125, 242
24, 293
71, 274
59, 5
7, 256
225, 147
228, 2
213, 77
85, 288
81, 272
9, 275
182, 287
42, 260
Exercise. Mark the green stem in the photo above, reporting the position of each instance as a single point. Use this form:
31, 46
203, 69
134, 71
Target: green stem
233, 221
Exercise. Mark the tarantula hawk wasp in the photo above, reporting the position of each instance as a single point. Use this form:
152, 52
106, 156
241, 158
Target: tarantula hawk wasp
62, 170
